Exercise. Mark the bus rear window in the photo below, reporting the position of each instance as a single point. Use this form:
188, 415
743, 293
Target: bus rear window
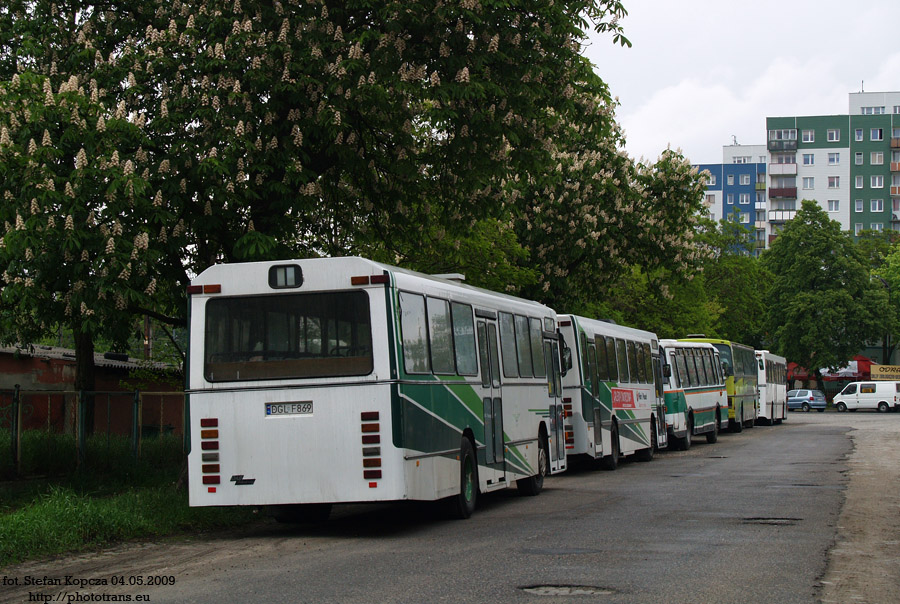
288, 336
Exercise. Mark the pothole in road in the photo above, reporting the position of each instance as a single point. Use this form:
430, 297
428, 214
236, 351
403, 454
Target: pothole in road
567, 590
772, 521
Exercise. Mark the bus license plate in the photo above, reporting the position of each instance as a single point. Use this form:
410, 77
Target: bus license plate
300, 408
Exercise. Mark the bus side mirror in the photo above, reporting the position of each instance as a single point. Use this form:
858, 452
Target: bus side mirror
726, 369
667, 371
565, 357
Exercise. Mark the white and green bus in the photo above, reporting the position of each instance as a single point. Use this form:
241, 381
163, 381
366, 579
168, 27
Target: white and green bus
613, 394
772, 384
695, 393
320, 381
740, 369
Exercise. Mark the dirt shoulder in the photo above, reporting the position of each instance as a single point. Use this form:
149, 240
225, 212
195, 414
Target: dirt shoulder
864, 564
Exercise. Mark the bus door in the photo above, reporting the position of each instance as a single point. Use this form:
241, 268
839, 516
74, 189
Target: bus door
557, 434
662, 432
493, 401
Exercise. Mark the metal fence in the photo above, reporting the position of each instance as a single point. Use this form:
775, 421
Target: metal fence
59, 431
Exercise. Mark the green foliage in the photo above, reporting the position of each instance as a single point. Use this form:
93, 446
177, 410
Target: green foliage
823, 307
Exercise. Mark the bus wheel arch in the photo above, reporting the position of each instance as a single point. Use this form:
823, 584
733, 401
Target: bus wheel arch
611, 462
647, 454
532, 485
713, 436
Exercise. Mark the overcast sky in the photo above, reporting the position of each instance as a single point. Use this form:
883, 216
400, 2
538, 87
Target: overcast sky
702, 71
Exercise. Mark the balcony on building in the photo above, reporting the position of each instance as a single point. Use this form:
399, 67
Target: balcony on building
895, 191
761, 223
783, 192
781, 215
895, 143
782, 169
895, 217
760, 206
782, 145
895, 166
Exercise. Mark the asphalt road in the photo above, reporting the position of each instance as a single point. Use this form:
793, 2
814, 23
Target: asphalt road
749, 519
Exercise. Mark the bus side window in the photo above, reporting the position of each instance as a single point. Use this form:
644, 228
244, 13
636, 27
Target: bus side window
636, 369
585, 368
648, 363
537, 356
523, 347
622, 354
613, 363
483, 354
415, 333
676, 377
508, 345
592, 367
602, 361
441, 336
464, 339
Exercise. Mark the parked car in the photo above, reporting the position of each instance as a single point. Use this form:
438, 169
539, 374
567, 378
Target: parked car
806, 400
883, 396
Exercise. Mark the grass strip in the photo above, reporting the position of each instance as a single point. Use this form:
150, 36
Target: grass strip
63, 520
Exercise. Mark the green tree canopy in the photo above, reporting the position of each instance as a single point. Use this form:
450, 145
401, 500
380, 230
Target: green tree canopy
823, 307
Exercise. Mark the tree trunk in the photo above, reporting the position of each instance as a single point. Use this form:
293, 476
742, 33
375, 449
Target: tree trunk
85, 376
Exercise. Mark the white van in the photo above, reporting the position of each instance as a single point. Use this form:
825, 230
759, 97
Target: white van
882, 395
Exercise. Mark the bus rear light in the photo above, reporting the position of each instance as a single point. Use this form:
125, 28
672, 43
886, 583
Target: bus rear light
372, 462
379, 279
369, 416
210, 445
212, 289
359, 280
209, 434
208, 457
371, 439
370, 428
371, 474
212, 468
565, 323
209, 422
371, 451
194, 289
210, 480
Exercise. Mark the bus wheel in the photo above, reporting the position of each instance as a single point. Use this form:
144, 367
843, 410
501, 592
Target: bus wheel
463, 505
647, 454
712, 437
611, 462
533, 484
301, 513
841, 407
738, 425
882, 407
690, 433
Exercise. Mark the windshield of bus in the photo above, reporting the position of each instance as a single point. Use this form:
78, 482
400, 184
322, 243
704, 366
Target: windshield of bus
288, 336
725, 357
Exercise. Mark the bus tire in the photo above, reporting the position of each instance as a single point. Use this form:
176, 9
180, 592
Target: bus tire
463, 504
301, 513
690, 432
883, 407
532, 485
713, 437
611, 462
647, 454
841, 407
738, 425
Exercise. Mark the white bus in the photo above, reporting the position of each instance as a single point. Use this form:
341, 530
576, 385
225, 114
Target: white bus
613, 393
695, 393
772, 384
313, 382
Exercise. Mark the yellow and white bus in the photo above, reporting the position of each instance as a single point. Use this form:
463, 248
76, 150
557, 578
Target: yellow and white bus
321, 381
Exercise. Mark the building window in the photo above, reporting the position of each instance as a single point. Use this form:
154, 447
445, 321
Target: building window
859, 134
783, 135
809, 182
857, 228
873, 110
859, 159
834, 135
710, 200
729, 198
784, 158
877, 205
745, 217
742, 159
876, 134
895, 133
834, 159
834, 205
877, 158
877, 226
859, 205
762, 159
896, 108
834, 182
809, 159
745, 179
744, 198
809, 136
712, 180
731, 179
877, 181
859, 182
